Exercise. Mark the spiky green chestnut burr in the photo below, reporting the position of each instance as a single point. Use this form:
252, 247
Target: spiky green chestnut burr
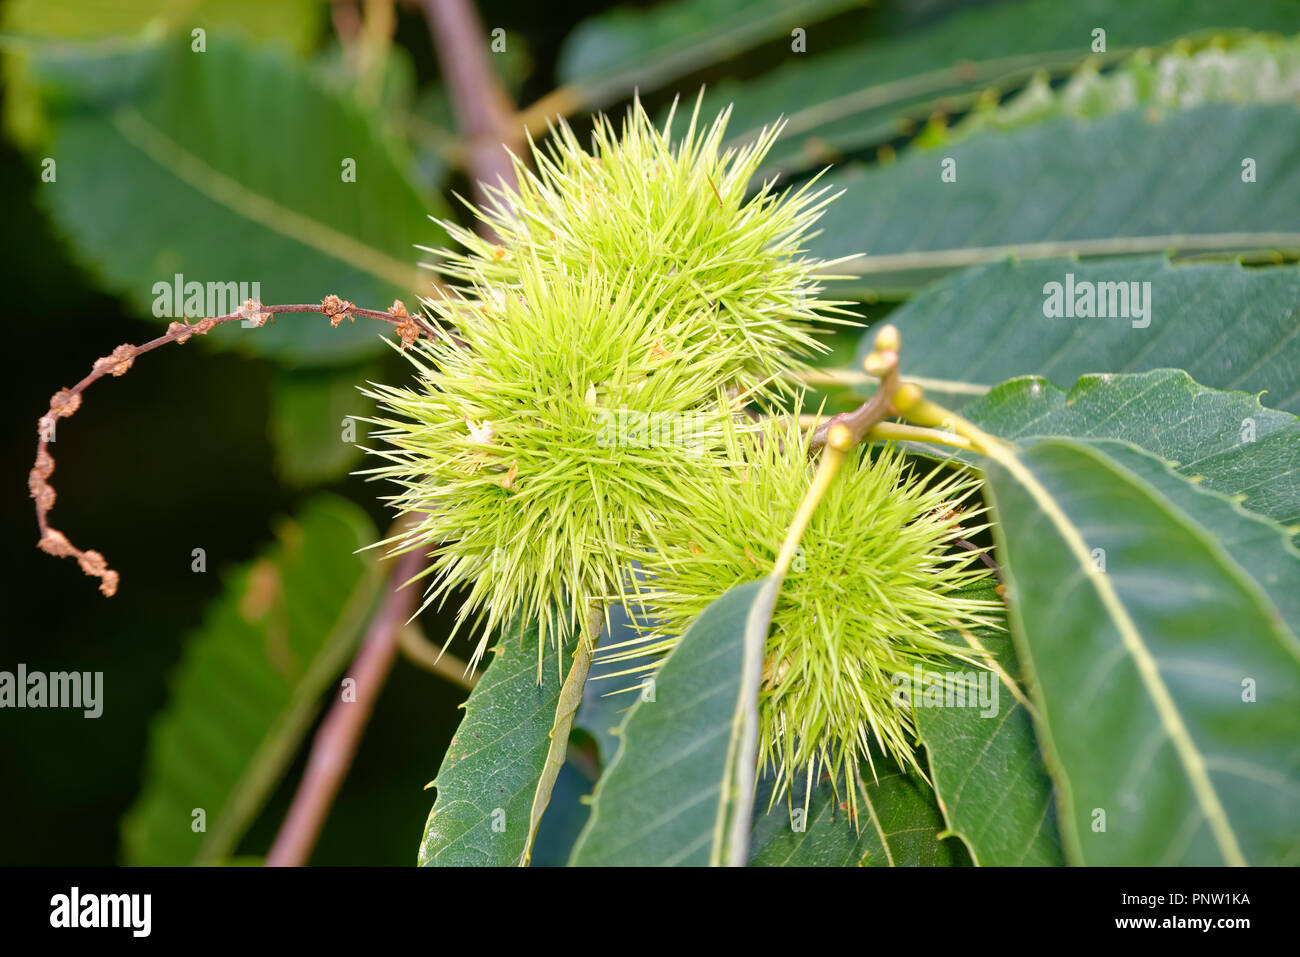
675, 218
632, 299
567, 418
878, 579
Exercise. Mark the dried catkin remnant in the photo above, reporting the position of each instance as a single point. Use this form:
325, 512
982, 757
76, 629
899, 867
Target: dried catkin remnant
41, 490
117, 363
65, 402
336, 309
251, 311
56, 543
408, 330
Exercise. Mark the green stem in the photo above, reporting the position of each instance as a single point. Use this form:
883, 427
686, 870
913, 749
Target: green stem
934, 416
831, 460
885, 431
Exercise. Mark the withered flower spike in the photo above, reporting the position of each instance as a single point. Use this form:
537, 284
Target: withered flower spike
118, 362
55, 543
66, 401
336, 309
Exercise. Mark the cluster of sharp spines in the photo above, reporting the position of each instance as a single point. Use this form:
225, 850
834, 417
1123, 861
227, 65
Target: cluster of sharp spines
874, 594
636, 277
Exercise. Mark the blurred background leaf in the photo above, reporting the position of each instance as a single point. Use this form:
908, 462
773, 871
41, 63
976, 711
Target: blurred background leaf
861, 87
190, 168
250, 684
1227, 326
39, 26
313, 424
628, 48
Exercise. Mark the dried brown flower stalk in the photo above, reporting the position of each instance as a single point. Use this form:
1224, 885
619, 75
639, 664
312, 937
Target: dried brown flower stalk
65, 402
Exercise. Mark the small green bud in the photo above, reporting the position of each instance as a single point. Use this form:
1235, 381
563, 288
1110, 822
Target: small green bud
907, 397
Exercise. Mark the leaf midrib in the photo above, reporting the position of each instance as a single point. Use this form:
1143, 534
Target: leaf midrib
211, 183
867, 264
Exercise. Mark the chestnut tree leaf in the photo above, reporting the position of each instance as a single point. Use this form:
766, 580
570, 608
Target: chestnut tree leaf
984, 758
490, 772
899, 825
1154, 627
1226, 326
676, 791
1226, 441
866, 85
1071, 187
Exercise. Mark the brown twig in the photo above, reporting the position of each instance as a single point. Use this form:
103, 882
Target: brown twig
336, 740
484, 113
983, 555
420, 651
67, 401
487, 123
866, 416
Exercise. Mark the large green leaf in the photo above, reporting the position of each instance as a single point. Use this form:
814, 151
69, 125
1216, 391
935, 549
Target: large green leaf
314, 426
34, 24
672, 793
985, 762
867, 93
1260, 547
171, 161
490, 772
608, 56
294, 22
899, 826
1068, 187
1167, 412
1148, 619
1229, 327
1226, 440
249, 684
1247, 69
